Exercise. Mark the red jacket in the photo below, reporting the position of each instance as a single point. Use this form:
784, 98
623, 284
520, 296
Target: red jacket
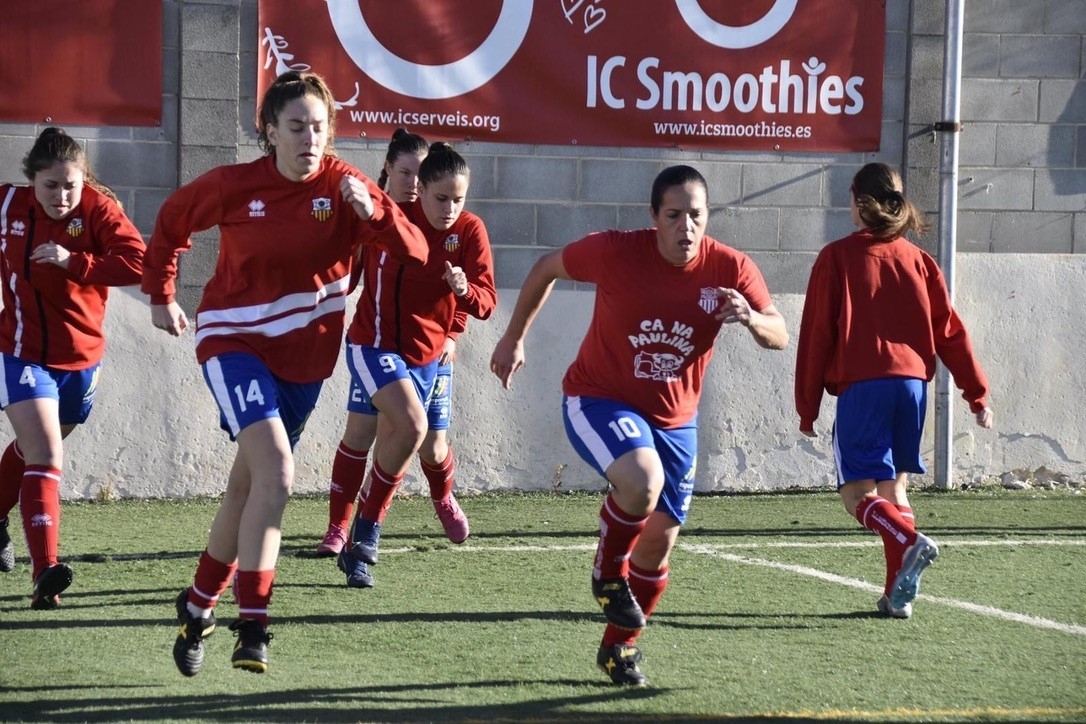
878, 309
411, 310
285, 256
53, 316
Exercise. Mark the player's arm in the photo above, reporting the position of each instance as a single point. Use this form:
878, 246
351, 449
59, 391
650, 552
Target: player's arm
508, 354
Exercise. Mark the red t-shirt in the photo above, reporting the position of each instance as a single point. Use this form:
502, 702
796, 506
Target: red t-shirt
653, 327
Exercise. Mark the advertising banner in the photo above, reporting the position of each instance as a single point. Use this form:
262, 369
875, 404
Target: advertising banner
81, 62
790, 75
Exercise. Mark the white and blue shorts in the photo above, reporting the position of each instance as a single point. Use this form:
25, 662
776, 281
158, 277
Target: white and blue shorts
372, 368
74, 390
877, 432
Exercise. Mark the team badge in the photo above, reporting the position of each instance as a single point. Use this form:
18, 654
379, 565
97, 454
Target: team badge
75, 227
709, 301
322, 208
452, 242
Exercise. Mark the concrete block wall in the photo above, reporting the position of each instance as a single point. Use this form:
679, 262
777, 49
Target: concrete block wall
1023, 174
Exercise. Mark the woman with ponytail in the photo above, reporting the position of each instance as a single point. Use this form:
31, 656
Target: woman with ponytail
65, 240
876, 317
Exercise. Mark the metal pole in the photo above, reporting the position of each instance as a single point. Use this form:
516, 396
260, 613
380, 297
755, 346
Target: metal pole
948, 129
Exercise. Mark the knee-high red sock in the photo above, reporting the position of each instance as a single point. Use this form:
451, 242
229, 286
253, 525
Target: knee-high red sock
348, 474
647, 588
12, 468
379, 498
882, 517
618, 534
39, 494
440, 476
907, 515
254, 590
211, 579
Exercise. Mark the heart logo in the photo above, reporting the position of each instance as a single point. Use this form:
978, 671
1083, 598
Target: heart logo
593, 16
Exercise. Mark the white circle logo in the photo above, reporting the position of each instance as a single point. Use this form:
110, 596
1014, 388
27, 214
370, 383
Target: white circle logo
736, 38
430, 81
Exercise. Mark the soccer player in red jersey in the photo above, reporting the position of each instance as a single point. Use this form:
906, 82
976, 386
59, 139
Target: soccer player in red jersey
876, 316
395, 345
631, 395
399, 176
64, 240
268, 330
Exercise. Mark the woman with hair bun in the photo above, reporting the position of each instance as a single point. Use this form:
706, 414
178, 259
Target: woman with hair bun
65, 240
876, 317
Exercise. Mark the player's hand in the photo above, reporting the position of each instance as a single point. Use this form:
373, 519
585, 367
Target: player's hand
169, 317
50, 253
734, 307
508, 357
986, 418
356, 194
457, 280
448, 351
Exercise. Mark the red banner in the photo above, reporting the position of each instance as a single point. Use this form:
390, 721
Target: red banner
85, 62
725, 74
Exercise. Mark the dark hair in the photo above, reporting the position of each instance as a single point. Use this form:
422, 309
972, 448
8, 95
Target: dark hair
54, 145
442, 161
402, 142
288, 87
883, 208
674, 176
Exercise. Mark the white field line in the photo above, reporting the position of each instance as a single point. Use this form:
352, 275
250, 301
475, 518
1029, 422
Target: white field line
1036, 621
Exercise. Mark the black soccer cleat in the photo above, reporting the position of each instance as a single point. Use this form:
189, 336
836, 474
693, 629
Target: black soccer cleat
7, 550
365, 537
358, 573
49, 585
251, 649
188, 647
620, 663
618, 603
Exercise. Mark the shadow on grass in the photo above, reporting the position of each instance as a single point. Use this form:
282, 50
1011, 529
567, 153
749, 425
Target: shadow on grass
383, 703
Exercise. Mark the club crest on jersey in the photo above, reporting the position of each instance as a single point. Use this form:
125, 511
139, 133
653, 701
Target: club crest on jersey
709, 300
256, 209
18, 228
452, 242
75, 227
322, 208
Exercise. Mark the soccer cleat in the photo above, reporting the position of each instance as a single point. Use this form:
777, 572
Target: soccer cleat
251, 648
884, 607
188, 647
618, 604
48, 586
917, 557
452, 519
7, 550
620, 663
358, 573
332, 543
365, 535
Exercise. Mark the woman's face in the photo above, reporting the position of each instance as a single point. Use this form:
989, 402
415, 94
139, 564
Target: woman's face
680, 222
443, 200
403, 177
299, 136
59, 188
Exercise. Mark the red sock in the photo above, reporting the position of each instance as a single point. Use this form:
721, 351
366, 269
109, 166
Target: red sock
618, 534
882, 517
254, 590
379, 498
40, 496
12, 468
647, 588
348, 474
212, 578
907, 515
440, 476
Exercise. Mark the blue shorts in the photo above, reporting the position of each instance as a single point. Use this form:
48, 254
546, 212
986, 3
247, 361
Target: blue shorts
247, 392
602, 431
372, 368
878, 428
74, 390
